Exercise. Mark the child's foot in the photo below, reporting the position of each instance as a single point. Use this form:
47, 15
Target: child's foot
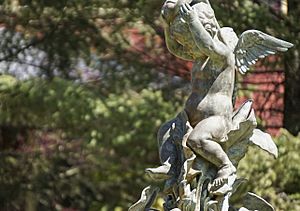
222, 175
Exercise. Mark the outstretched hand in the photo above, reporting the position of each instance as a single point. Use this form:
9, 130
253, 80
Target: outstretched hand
188, 13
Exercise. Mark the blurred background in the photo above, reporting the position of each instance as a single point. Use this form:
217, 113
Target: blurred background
85, 84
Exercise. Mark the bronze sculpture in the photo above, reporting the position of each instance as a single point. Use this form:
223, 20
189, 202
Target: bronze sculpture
200, 148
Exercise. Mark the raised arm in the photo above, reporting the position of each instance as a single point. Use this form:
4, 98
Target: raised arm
169, 11
210, 46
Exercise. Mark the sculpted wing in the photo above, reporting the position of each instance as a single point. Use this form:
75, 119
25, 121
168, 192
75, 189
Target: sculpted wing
253, 45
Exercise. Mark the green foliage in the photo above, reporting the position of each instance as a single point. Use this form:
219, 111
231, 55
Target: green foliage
83, 144
275, 180
69, 30
117, 130
52, 177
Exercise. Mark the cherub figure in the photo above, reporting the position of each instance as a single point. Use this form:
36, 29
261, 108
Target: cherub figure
201, 147
192, 33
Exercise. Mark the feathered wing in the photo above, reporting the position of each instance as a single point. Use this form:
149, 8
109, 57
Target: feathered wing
253, 45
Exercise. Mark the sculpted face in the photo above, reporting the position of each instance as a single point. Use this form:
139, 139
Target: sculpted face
206, 16
204, 11
208, 23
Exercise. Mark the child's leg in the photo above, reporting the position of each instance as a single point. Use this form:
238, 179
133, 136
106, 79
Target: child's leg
203, 141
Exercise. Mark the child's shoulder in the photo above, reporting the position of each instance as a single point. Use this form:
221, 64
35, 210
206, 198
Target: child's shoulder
228, 36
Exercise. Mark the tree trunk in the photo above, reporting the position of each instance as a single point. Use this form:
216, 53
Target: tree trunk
292, 78
292, 93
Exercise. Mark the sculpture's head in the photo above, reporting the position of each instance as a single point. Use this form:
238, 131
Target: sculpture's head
206, 16
205, 13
